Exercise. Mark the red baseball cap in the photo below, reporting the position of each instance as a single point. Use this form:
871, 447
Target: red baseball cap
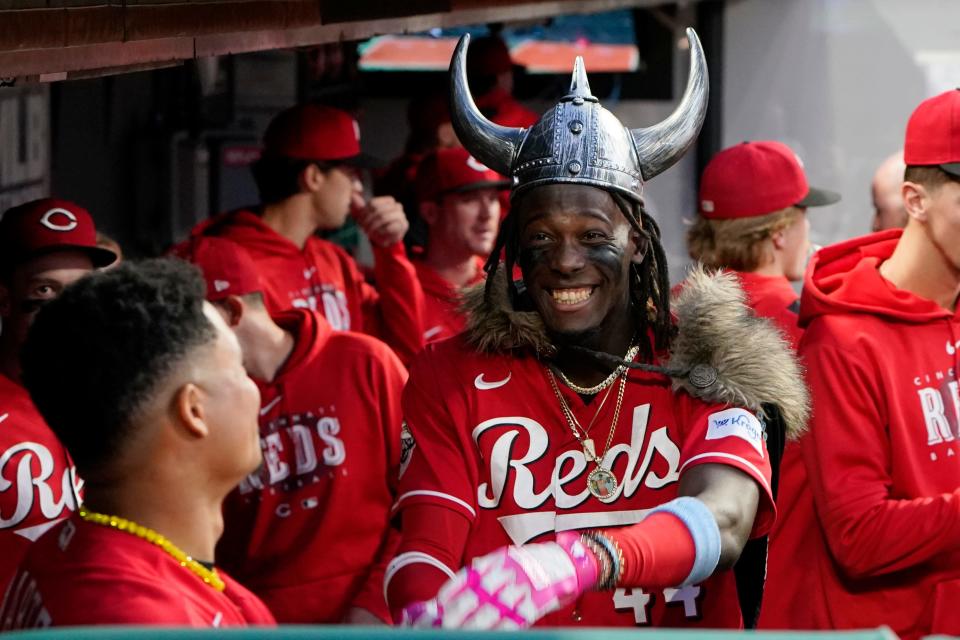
227, 267
317, 132
454, 170
757, 178
933, 133
46, 225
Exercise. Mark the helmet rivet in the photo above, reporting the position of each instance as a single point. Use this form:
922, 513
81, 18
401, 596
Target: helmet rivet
578, 101
574, 167
576, 126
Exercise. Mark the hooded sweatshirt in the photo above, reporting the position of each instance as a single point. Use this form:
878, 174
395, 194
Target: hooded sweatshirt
773, 297
869, 501
442, 316
309, 532
323, 277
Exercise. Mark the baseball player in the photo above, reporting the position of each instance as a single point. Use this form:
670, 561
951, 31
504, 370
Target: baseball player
752, 220
44, 246
144, 384
309, 181
570, 406
309, 532
459, 199
872, 502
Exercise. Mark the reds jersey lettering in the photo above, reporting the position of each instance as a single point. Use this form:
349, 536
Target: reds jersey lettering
571, 465
333, 303
309, 444
28, 468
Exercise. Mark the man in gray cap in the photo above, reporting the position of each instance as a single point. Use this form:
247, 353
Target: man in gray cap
573, 404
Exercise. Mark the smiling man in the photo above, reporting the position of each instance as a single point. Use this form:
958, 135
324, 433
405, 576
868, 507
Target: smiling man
573, 404
880, 347
460, 202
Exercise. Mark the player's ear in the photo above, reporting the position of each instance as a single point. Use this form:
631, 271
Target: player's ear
311, 178
189, 412
429, 211
779, 239
641, 246
231, 309
915, 198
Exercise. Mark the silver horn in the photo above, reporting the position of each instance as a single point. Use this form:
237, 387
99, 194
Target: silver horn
663, 144
491, 144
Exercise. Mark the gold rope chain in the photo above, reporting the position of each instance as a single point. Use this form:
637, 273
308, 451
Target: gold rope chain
606, 382
574, 423
209, 576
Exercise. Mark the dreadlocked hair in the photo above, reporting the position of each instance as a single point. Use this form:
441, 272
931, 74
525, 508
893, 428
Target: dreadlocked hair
650, 286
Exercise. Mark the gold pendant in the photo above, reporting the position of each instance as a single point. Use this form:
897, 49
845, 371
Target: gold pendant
589, 449
602, 484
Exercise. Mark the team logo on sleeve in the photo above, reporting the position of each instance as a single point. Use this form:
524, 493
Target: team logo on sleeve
737, 423
407, 445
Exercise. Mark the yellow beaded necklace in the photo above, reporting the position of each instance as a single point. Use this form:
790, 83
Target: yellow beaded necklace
209, 576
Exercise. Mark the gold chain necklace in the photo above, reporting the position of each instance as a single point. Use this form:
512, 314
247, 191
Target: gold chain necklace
209, 576
601, 483
606, 382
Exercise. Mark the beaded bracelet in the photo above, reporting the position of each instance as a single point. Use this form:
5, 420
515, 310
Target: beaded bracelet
610, 557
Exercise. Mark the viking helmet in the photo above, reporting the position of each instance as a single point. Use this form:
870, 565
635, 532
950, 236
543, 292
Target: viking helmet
578, 141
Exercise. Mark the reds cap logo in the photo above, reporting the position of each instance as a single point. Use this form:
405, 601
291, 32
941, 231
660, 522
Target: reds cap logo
49, 221
474, 164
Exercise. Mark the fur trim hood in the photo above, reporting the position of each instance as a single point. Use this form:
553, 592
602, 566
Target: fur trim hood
722, 353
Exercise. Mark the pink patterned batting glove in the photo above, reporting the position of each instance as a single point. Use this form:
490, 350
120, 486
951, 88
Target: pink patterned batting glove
512, 587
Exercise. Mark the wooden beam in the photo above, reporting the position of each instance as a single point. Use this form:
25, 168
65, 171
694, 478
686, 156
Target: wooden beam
113, 38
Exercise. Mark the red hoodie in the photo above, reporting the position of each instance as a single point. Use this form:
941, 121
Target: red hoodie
442, 317
309, 532
870, 521
772, 297
323, 277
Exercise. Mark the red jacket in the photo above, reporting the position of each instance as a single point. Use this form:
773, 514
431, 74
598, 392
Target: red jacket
492, 445
309, 533
869, 504
323, 277
442, 317
38, 483
88, 574
773, 297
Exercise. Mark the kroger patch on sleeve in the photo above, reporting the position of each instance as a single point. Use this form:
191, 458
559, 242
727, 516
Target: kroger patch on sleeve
738, 423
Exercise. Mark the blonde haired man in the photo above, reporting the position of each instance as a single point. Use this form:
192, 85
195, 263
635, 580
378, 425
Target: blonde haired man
753, 201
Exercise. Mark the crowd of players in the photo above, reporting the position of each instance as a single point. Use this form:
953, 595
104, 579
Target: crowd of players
245, 400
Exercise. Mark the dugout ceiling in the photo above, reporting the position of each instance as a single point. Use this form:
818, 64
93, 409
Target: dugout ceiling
49, 40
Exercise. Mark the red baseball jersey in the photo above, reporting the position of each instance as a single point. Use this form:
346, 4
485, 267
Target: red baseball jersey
82, 573
492, 445
442, 317
310, 532
869, 496
773, 297
323, 277
38, 484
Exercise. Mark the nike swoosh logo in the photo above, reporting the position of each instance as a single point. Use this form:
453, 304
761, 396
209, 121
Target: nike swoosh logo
270, 405
483, 385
